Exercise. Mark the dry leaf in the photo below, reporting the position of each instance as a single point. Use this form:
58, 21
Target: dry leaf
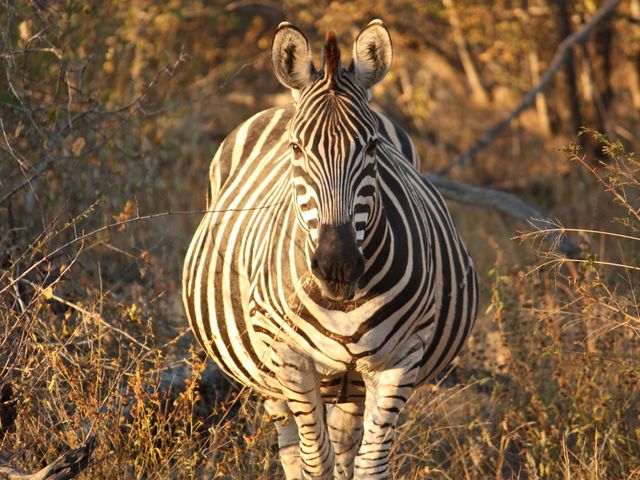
127, 212
19, 129
78, 145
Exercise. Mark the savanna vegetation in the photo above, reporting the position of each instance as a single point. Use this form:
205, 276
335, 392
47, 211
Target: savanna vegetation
109, 115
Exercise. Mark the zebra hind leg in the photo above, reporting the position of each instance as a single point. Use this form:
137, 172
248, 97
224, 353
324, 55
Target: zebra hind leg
289, 450
300, 384
344, 421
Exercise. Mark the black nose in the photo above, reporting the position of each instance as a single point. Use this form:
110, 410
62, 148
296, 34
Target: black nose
337, 257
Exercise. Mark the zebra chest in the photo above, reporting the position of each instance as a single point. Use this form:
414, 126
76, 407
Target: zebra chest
323, 336
279, 300
364, 337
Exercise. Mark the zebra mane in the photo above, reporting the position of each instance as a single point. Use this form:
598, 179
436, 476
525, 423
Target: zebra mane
331, 58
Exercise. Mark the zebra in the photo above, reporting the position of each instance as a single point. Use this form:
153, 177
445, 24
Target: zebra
326, 273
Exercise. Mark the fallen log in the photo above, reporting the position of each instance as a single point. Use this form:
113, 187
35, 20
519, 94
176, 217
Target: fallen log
509, 204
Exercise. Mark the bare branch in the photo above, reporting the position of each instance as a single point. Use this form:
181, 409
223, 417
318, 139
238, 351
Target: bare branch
529, 99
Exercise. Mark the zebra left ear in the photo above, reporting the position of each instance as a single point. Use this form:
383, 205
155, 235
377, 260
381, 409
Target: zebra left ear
291, 57
372, 54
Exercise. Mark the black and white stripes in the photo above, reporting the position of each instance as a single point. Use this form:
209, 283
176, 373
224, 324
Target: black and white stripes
328, 274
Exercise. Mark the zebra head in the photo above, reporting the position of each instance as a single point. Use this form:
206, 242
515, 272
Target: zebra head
333, 140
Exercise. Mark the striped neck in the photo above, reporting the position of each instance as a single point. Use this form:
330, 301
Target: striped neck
376, 242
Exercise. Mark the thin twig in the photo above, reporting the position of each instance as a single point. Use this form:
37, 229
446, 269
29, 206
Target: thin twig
581, 260
575, 230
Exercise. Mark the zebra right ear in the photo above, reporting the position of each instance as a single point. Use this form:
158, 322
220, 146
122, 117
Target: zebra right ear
291, 57
372, 54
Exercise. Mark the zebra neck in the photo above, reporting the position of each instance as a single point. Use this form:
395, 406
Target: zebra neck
377, 235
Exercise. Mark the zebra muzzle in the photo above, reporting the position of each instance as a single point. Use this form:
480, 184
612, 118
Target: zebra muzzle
337, 262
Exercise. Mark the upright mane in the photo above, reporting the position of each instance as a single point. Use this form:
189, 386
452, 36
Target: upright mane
331, 58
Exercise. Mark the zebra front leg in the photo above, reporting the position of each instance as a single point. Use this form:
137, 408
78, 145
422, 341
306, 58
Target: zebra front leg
387, 392
288, 448
301, 385
344, 421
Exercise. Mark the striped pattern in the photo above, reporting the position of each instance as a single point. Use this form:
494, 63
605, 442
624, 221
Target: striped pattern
335, 177
257, 309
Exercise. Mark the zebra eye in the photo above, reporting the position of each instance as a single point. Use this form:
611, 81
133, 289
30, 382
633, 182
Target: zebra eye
371, 148
297, 151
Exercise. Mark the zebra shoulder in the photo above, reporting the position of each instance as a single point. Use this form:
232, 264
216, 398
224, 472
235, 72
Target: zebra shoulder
252, 137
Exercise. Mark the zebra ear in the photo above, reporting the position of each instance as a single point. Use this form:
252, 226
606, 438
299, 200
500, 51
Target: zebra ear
372, 54
291, 57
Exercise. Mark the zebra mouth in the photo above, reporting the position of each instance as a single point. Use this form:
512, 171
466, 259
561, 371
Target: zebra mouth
338, 291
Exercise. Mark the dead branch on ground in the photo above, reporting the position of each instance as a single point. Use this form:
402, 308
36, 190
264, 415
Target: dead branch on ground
507, 203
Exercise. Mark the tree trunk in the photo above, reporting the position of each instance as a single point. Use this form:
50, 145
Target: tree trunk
603, 40
541, 101
478, 91
563, 22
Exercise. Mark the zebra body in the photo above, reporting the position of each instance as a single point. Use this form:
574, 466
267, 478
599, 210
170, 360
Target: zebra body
349, 293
